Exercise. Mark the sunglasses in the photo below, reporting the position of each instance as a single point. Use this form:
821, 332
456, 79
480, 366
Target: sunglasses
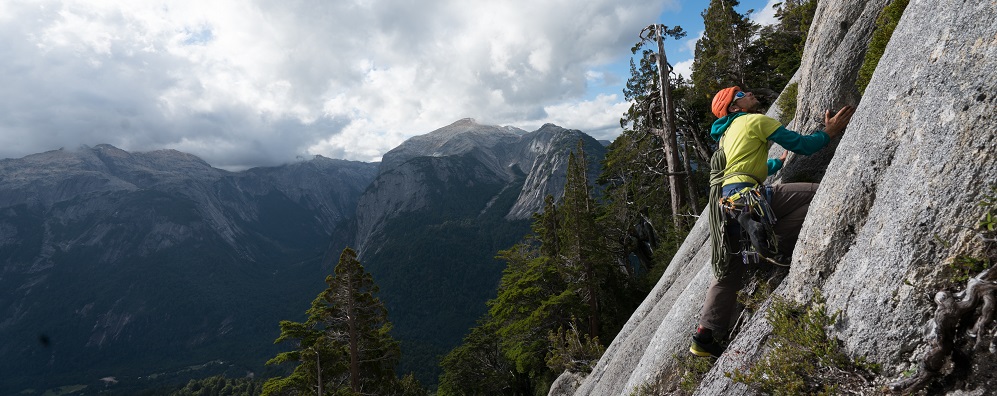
738, 95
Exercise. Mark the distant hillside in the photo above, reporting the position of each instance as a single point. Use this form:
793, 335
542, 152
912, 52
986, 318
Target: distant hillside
148, 268
443, 204
124, 265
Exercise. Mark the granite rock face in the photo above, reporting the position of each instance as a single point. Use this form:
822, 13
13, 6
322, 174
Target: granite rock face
918, 156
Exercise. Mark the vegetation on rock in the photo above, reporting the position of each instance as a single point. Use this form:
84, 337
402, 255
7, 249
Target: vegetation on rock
804, 357
885, 24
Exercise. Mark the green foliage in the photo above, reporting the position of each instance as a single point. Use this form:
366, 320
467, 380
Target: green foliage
988, 223
563, 270
775, 55
683, 379
642, 89
787, 103
721, 54
693, 369
409, 386
344, 347
437, 267
221, 386
885, 24
479, 367
572, 351
804, 358
964, 267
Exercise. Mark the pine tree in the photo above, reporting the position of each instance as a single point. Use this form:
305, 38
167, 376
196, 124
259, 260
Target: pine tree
776, 54
533, 298
344, 347
479, 367
354, 317
584, 264
721, 57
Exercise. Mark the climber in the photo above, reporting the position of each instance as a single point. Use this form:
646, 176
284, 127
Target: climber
744, 134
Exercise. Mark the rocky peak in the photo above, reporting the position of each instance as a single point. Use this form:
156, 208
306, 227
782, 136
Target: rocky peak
458, 138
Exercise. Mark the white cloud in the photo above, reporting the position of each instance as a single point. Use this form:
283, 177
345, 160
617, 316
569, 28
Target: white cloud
683, 68
689, 44
245, 83
599, 117
767, 15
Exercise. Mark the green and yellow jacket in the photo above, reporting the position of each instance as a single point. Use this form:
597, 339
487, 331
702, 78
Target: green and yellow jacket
746, 144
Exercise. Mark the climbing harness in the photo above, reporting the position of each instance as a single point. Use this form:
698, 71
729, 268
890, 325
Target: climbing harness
750, 209
746, 213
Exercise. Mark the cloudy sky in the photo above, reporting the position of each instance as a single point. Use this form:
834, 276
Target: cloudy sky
245, 83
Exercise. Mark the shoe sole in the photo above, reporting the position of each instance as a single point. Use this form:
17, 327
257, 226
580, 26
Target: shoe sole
699, 353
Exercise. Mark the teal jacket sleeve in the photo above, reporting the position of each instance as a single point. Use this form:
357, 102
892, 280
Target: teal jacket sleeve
774, 165
800, 144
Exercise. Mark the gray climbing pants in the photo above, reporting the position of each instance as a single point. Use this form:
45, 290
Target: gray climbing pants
790, 203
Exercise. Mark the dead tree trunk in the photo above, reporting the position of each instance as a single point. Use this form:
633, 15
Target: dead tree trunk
981, 290
675, 179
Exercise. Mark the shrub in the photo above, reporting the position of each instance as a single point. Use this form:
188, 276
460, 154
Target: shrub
885, 24
804, 358
787, 103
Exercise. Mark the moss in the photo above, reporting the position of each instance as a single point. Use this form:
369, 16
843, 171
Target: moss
787, 103
804, 358
683, 379
885, 24
965, 266
693, 369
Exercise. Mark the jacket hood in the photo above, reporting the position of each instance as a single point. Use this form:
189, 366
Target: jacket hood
720, 126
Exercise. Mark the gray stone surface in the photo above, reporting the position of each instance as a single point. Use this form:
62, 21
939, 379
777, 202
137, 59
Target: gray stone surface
836, 46
566, 383
919, 154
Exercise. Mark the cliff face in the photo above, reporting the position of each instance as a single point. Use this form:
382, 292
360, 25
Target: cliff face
496, 160
917, 158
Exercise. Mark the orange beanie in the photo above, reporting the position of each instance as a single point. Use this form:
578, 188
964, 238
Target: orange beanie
722, 101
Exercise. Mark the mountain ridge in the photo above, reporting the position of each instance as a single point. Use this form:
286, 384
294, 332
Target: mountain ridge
101, 247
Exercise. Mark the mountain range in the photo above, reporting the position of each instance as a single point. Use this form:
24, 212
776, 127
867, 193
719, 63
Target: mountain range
128, 269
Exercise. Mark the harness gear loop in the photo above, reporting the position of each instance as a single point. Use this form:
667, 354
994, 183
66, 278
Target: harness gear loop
749, 208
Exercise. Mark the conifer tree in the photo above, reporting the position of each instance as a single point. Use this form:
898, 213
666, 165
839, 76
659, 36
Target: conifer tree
533, 299
344, 347
721, 54
354, 317
775, 54
584, 264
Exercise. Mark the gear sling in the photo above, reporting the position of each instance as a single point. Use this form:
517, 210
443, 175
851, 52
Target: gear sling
753, 220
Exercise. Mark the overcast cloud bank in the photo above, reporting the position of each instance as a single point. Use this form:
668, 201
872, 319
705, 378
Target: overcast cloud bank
259, 83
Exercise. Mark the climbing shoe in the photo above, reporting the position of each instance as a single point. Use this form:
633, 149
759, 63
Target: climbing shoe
703, 344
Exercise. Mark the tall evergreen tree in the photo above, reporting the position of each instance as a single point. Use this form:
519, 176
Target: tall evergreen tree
721, 60
479, 366
533, 299
721, 54
584, 264
775, 54
344, 347
354, 317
